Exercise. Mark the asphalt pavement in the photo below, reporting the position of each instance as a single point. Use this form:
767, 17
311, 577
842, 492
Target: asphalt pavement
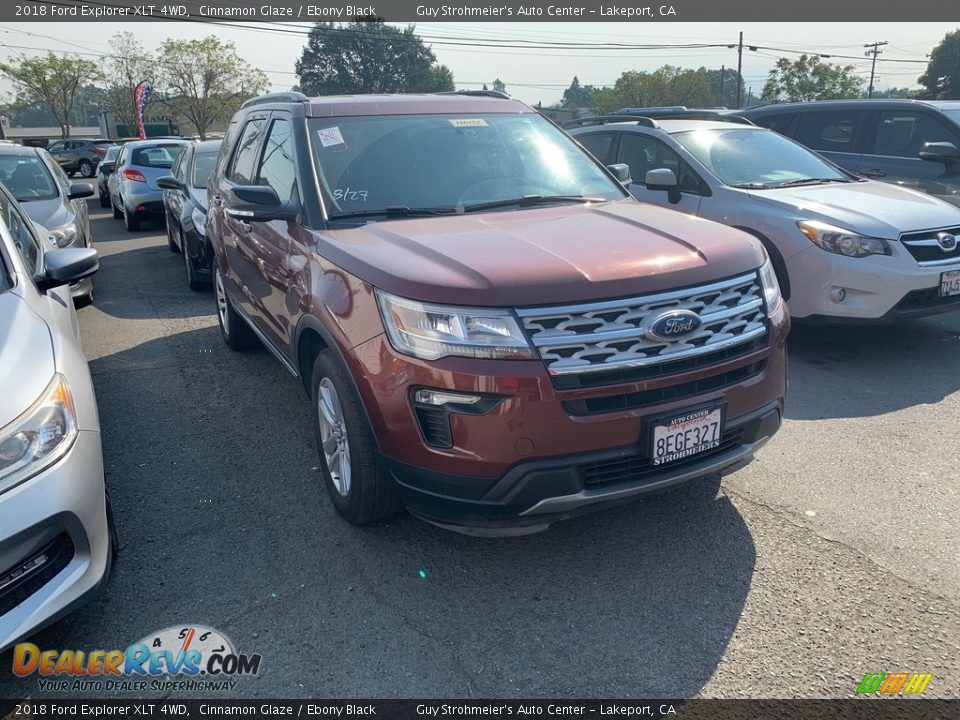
834, 554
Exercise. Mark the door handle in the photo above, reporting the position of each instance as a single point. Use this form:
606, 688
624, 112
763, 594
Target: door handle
873, 172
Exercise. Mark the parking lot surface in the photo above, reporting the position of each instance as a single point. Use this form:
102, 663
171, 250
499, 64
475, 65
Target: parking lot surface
834, 554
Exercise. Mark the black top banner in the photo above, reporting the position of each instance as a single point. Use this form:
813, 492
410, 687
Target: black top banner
639, 11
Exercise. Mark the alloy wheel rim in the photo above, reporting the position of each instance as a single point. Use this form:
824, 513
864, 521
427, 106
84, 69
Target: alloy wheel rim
86, 170
222, 304
334, 441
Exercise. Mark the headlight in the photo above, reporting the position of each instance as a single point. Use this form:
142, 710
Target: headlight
434, 331
199, 218
65, 234
40, 436
771, 288
842, 242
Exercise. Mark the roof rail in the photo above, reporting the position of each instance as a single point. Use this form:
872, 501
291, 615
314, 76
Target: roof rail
479, 93
290, 96
691, 114
604, 119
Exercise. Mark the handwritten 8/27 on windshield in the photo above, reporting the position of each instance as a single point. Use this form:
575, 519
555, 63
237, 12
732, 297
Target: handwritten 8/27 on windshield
349, 194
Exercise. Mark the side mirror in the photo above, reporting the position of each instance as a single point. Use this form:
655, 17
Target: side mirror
80, 190
663, 179
68, 265
621, 171
106, 167
169, 182
258, 203
942, 152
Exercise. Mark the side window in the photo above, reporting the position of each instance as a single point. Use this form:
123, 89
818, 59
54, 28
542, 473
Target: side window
122, 156
277, 169
59, 175
835, 131
243, 166
56, 147
643, 153
179, 166
23, 238
903, 134
778, 123
598, 145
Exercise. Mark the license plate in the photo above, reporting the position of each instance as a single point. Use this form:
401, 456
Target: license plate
950, 283
682, 436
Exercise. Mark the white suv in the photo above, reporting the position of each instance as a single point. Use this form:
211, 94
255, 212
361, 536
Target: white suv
843, 247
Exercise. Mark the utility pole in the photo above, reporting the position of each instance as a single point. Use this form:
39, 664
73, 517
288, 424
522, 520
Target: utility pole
740, 70
874, 51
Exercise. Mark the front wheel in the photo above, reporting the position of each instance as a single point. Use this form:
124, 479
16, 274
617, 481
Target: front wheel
234, 330
117, 214
360, 491
86, 169
192, 281
104, 200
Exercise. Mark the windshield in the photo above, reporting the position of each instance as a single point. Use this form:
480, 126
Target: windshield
112, 153
26, 177
953, 115
448, 162
203, 164
756, 158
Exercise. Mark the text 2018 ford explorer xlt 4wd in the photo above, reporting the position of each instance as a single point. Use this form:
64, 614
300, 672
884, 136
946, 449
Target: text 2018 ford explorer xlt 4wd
492, 332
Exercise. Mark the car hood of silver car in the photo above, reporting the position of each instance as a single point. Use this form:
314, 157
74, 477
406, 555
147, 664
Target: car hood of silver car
27, 362
52, 213
871, 208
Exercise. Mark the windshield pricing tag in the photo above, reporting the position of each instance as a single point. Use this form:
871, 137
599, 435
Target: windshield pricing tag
468, 122
330, 136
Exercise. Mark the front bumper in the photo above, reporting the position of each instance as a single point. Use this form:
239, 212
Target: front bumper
63, 508
537, 493
882, 288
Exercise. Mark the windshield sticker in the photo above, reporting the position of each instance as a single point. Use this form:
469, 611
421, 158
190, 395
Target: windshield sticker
350, 194
468, 122
330, 136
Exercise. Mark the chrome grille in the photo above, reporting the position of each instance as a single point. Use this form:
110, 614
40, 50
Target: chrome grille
927, 250
596, 337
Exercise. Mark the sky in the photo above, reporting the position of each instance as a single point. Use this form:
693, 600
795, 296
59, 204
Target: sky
541, 75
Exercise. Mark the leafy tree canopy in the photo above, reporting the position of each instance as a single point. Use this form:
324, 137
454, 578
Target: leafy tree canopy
808, 78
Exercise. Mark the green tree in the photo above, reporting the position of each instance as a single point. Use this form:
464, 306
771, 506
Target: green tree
205, 81
942, 78
807, 78
129, 63
579, 96
499, 85
368, 56
53, 81
668, 85
727, 98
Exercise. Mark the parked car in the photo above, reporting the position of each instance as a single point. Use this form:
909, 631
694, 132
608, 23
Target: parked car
913, 143
134, 193
844, 247
79, 156
491, 330
104, 171
50, 199
56, 539
185, 203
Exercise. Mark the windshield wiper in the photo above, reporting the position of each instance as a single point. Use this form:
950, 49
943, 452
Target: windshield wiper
751, 186
394, 211
531, 200
808, 181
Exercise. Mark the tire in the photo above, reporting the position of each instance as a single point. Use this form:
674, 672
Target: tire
170, 243
117, 214
104, 200
192, 281
83, 300
85, 168
234, 330
359, 490
132, 222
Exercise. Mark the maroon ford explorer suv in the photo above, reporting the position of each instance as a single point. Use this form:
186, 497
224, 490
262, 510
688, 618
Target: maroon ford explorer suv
491, 331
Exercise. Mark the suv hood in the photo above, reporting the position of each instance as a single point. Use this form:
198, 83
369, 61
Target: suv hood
872, 208
556, 254
26, 356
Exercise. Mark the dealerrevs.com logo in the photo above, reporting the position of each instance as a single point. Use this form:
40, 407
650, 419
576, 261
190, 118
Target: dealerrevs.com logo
189, 657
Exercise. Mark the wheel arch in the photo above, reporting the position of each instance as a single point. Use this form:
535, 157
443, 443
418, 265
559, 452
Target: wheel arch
776, 257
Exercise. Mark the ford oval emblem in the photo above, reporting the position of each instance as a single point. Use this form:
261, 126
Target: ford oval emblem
673, 325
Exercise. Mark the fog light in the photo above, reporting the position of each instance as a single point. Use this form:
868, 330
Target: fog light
838, 295
438, 398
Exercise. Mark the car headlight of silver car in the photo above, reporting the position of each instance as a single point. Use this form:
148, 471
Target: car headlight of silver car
771, 288
65, 234
199, 218
434, 331
40, 436
842, 242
